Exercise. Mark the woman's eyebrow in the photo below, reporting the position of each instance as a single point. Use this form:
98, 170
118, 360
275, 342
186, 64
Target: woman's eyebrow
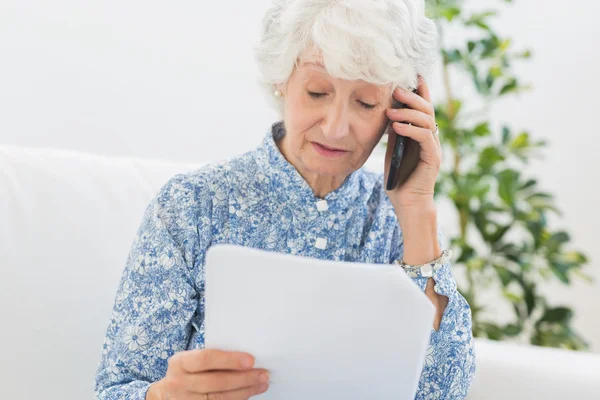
313, 63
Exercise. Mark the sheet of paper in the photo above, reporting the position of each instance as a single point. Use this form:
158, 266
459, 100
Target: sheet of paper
324, 329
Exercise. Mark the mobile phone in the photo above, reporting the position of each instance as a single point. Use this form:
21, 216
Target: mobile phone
405, 155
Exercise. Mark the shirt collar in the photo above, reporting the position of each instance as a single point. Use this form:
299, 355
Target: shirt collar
286, 181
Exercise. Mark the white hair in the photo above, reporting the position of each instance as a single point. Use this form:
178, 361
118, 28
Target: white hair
378, 41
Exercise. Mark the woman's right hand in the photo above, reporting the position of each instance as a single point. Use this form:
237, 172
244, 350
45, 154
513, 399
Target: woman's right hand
210, 375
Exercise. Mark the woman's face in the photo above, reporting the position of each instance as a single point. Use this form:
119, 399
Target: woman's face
332, 125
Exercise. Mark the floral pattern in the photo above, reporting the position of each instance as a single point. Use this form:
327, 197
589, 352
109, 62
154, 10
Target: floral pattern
257, 199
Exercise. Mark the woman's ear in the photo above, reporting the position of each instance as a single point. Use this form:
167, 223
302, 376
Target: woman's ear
281, 88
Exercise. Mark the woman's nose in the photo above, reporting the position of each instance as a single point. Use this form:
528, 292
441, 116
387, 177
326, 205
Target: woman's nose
337, 125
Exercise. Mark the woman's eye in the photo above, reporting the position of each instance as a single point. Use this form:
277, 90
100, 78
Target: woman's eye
367, 106
315, 95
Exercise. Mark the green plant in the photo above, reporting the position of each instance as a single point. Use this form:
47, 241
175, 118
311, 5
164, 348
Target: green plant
505, 242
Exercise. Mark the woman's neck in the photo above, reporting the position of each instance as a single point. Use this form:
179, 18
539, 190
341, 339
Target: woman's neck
320, 184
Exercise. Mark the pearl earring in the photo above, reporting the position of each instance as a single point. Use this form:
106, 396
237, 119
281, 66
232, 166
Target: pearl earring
277, 93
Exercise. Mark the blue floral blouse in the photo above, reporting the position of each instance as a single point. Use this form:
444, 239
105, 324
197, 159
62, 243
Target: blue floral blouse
257, 199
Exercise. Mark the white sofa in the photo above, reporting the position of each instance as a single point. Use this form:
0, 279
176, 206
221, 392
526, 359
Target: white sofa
66, 223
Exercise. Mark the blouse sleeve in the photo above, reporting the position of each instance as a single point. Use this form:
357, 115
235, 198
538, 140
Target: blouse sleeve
157, 298
449, 365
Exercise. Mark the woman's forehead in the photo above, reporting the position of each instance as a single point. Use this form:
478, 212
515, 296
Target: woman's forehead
316, 69
313, 64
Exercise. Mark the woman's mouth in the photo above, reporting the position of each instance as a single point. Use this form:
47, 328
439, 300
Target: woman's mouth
328, 151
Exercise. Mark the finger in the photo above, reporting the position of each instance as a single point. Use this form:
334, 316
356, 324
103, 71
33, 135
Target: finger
240, 394
223, 381
193, 361
416, 118
423, 89
431, 150
414, 101
436, 136
421, 135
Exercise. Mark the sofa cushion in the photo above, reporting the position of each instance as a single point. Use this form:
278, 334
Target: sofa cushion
67, 221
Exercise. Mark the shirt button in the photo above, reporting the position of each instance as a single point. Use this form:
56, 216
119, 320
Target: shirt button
322, 205
427, 270
321, 243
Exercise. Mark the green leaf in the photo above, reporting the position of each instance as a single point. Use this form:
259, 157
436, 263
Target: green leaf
481, 190
511, 86
529, 298
491, 46
474, 74
467, 252
561, 271
471, 46
451, 56
512, 330
555, 241
504, 274
484, 14
481, 24
475, 263
583, 276
478, 19
482, 129
524, 54
505, 135
539, 195
520, 142
488, 157
450, 13
537, 229
511, 252
498, 233
517, 308
558, 314
481, 222
541, 202
495, 71
513, 297
489, 80
508, 184
559, 238
530, 183
453, 110
574, 257
493, 331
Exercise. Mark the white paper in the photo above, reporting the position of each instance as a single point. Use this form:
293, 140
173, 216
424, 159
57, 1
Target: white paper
324, 329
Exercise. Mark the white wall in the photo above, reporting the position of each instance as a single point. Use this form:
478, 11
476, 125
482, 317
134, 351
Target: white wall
563, 108
148, 78
176, 81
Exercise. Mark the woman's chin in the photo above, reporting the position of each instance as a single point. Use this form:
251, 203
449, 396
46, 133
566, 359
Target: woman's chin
327, 167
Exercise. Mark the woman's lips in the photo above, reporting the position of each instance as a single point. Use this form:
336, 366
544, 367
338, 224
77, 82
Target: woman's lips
328, 151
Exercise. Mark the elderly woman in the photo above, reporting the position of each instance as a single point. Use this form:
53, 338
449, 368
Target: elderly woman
332, 68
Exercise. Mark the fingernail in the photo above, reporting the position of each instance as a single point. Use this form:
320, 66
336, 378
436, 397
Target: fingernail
401, 90
393, 110
247, 362
264, 377
263, 387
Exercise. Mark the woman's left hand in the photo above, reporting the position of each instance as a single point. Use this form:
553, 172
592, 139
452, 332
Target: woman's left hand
418, 190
